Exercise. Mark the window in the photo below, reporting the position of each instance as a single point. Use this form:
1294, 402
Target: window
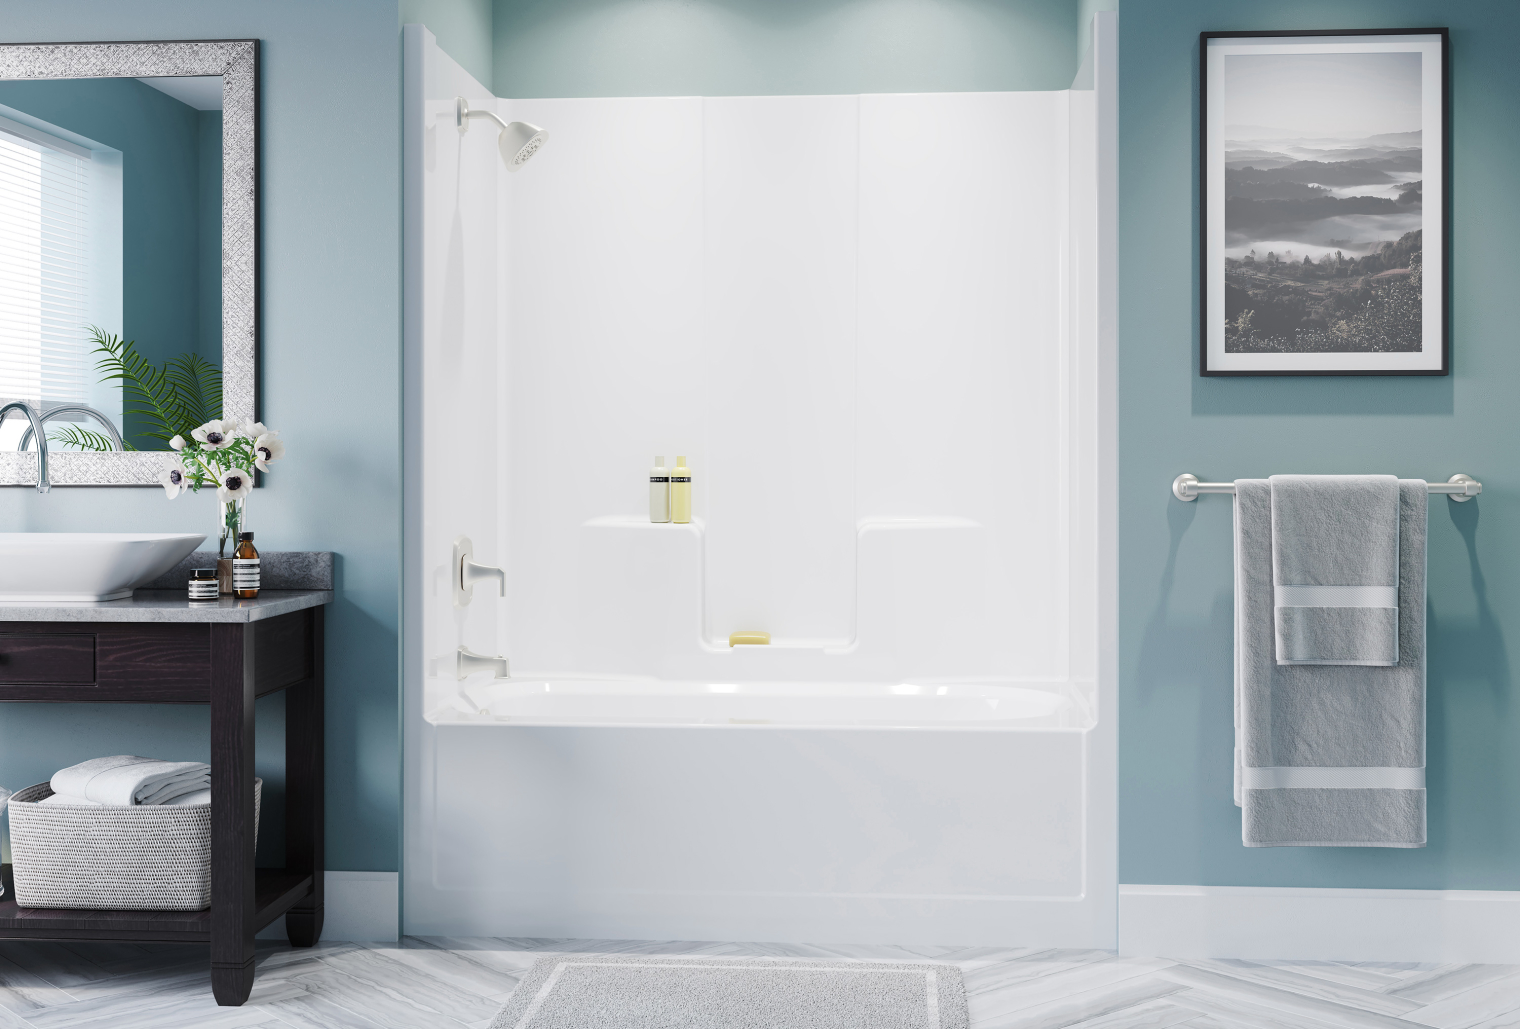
60, 266
45, 236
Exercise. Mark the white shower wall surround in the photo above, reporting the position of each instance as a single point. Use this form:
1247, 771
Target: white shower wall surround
871, 322
822, 300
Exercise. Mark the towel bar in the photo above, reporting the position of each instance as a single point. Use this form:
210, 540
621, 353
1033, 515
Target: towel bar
1459, 487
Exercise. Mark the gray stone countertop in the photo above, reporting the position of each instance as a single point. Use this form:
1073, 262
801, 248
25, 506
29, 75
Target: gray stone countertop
168, 606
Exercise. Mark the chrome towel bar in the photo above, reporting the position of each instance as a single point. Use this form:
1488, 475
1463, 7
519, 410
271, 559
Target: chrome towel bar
1459, 487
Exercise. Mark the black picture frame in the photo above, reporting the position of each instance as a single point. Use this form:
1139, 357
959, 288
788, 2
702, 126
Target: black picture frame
1284, 364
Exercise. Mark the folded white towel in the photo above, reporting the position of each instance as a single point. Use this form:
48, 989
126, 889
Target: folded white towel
187, 800
190, 799
124, 780
167, 792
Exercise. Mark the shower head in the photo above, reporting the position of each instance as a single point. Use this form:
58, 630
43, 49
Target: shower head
519, 140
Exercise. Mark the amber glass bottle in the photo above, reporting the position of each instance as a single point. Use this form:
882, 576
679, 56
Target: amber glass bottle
245, 567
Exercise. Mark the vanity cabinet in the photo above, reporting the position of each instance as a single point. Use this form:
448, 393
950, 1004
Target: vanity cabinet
160, 649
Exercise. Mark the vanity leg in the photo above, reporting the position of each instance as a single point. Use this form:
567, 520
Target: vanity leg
304, 819
232, 836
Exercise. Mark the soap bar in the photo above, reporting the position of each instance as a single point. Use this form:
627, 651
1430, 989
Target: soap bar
740, 638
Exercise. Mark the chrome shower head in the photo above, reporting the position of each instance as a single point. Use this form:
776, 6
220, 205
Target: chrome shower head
519, 140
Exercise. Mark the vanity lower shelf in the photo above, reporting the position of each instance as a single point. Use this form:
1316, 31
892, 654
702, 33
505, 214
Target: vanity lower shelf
275, 891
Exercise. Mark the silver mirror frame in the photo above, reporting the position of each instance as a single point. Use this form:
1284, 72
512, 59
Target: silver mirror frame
237, 61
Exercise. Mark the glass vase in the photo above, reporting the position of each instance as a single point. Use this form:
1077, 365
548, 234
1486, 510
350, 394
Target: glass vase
230, 515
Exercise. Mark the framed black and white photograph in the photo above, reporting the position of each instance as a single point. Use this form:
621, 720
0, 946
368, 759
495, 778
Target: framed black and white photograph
1324, 199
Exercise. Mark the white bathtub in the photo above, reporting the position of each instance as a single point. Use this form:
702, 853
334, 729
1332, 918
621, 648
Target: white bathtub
931, 812
781, 705
921, 755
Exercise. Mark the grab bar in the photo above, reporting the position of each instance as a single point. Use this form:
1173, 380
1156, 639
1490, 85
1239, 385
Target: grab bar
1459, 487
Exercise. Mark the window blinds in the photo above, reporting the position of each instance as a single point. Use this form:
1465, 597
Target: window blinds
44, 273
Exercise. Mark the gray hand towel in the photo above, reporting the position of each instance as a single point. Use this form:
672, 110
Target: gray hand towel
1335, 569
1327, 755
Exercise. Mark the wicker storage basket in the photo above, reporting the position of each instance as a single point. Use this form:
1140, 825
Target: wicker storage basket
120, 858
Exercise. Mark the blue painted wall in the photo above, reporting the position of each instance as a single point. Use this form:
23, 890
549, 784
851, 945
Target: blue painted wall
1177, 822
578, 48
462, 28
332, 269
171, 158
1085, 11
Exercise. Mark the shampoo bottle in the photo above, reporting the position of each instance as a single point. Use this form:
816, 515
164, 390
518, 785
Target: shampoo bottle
659, 492
680, 492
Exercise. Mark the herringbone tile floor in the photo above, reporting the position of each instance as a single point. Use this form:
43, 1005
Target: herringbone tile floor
448, 983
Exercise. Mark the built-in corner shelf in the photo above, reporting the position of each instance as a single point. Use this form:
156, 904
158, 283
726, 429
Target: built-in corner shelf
696, 525
650, 581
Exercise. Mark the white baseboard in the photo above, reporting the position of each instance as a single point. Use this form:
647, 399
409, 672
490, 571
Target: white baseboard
361, 906
1481, 926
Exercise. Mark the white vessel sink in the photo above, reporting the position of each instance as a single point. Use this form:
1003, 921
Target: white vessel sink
37, 566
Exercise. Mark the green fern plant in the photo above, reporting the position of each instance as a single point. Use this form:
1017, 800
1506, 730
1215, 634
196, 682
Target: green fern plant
173, 399
84, 439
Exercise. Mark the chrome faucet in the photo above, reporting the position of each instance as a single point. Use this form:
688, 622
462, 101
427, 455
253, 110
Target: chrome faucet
466, 662
43, 485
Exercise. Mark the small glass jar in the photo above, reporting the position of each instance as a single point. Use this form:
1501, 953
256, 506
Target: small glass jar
204, 584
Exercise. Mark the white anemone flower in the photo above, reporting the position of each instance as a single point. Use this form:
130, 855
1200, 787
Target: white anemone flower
177, 443
267, 447
174, 479
217, 433
253, 430
234, 484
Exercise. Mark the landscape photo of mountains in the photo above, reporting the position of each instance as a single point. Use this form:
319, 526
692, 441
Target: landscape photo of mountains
1323, 203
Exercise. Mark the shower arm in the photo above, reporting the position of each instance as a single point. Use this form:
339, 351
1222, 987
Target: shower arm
463, 114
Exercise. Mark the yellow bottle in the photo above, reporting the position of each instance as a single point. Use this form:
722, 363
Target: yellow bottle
680, 491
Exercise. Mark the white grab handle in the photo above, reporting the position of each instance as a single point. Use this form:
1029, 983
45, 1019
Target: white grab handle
465, 573
470, 573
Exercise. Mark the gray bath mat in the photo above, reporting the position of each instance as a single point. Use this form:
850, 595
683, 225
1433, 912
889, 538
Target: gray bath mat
622, 991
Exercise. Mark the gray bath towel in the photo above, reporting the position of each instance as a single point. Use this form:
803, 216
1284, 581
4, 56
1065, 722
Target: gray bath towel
1335, 569
1327, 755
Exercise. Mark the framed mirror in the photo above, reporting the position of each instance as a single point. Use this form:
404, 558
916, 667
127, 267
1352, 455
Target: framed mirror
129, 252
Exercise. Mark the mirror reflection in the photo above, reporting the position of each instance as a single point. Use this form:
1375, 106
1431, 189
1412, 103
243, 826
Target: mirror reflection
110, 259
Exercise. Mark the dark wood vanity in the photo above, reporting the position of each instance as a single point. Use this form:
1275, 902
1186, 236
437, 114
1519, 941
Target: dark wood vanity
158, 648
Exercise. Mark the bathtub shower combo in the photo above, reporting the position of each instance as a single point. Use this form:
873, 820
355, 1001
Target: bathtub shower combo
876, 326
